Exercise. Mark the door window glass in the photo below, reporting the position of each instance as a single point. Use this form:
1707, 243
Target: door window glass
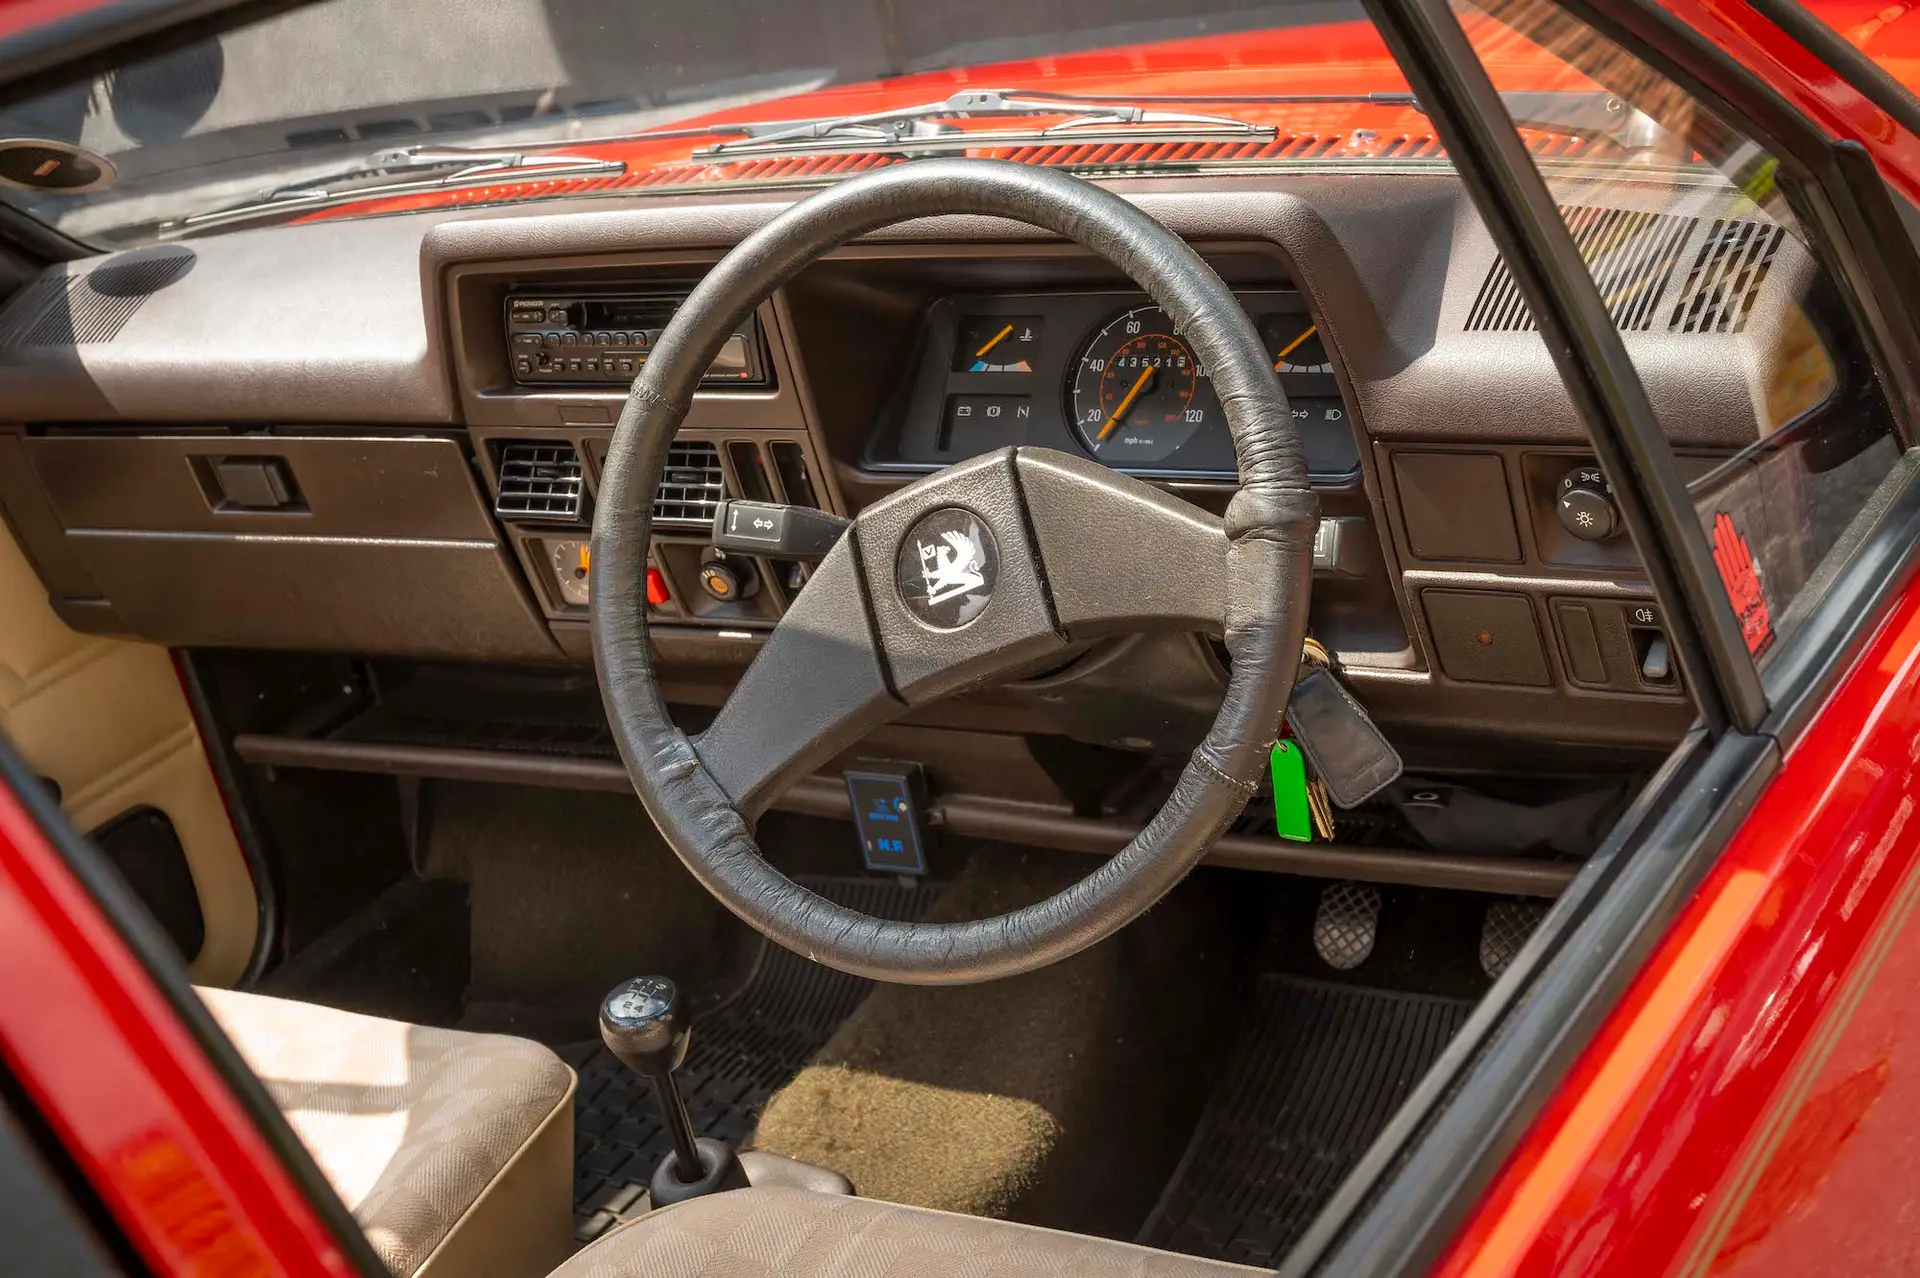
1747, 351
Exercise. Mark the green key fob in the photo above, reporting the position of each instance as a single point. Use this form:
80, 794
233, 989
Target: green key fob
1292, 814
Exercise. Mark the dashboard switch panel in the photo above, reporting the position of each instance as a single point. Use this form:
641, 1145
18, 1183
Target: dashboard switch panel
1456, 506
1486, 637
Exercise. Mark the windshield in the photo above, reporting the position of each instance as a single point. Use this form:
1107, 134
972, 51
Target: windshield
350, 107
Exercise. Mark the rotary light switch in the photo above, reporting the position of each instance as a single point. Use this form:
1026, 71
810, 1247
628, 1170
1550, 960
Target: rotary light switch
1586, 504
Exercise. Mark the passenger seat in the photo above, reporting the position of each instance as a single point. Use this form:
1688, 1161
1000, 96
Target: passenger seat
454, 1151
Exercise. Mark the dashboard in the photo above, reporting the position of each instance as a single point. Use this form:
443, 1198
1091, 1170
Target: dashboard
369, 439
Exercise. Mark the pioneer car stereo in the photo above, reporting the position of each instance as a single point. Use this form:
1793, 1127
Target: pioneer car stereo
606, 337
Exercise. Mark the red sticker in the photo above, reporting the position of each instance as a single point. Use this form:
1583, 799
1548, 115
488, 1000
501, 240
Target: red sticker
1742, 578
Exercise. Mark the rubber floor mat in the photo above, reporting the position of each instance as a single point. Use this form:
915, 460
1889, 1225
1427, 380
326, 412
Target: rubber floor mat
742, 1052
1318, 1071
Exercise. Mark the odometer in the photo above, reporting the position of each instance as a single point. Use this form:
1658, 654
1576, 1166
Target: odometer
1138, 391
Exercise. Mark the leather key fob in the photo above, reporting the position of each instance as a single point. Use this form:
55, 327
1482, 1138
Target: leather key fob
1345, 748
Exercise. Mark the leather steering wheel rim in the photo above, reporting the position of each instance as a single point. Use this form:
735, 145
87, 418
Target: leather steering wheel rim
1269, 529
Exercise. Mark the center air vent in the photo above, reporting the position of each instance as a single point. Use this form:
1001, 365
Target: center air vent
1632, 257
692, 488
539, 481
1726, 277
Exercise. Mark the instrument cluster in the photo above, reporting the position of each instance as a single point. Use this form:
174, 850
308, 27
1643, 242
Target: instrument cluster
1104, 374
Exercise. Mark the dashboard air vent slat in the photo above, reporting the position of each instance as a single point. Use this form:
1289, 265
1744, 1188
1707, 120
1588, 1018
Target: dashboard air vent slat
692, 488
539, 481
1726, 277
1632, 257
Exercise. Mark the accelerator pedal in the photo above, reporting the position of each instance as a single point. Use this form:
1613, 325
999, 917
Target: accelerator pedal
1506, 928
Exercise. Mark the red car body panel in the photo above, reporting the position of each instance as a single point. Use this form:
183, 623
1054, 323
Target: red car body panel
1753, 1104
131, 1096
1813, 87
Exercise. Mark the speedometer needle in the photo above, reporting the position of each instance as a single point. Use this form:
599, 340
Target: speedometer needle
1139, 385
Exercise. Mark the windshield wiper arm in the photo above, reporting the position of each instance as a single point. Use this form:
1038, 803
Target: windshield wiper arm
927, 127
405, 170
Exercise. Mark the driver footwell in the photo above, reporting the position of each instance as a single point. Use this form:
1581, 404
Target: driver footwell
1318, 1071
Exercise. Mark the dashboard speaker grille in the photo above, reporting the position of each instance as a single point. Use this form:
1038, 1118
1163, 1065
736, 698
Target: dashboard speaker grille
692, 488
73, 310
1726, 277
539, 481
1632, 257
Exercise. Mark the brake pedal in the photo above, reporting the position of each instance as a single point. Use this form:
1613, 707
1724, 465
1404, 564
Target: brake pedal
1506, 928
1345, 924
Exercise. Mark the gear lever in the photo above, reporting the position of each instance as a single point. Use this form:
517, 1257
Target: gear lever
644, 1023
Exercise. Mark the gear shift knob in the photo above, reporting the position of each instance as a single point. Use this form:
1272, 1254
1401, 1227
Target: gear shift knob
644, 1023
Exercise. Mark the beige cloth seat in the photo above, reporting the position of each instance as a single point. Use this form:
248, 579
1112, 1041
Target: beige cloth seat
791, 1233
454, 1151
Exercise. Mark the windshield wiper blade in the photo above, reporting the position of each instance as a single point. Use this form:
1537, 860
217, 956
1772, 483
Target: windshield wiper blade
400, 171
927, 127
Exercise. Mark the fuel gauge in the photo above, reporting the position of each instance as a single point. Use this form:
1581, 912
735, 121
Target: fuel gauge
1296, 345
571, 561
996, 344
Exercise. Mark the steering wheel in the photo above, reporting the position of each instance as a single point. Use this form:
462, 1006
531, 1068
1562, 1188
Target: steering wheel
964, 578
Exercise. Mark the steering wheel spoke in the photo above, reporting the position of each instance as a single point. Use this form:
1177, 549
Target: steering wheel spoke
1120, 556
816, 687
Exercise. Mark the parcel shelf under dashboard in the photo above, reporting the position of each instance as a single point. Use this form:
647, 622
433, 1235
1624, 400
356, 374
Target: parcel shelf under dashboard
559, 738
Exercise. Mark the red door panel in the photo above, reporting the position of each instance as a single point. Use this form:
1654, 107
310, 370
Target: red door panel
1753, 1104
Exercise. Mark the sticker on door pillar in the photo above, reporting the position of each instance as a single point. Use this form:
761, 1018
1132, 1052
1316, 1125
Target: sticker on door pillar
1741, 576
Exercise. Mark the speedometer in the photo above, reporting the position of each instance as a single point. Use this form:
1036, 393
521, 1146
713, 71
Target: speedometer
1139, 391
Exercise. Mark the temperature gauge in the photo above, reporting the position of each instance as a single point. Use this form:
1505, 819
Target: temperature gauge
571, 561
996, 344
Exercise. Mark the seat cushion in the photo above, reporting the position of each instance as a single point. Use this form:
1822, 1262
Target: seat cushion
454, 1151
759, 1233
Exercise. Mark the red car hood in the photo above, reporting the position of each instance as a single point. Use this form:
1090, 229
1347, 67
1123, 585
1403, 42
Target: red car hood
1329, 58
1326, 58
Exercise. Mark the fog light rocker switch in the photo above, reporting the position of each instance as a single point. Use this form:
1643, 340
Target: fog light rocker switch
889, 811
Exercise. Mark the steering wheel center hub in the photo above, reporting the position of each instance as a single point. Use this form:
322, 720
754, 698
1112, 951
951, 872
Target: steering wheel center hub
946, 568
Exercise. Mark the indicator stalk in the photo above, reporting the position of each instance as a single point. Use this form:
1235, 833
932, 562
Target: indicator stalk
768, 528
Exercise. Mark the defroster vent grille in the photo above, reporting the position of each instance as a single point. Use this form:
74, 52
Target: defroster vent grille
692, 488
539, 481
1726, 277
1632, 257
